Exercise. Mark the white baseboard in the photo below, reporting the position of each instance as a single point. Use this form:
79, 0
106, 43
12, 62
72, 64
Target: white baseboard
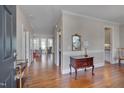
114, 62
99, 65
66, 71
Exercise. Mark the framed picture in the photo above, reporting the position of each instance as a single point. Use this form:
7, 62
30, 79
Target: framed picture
76, 42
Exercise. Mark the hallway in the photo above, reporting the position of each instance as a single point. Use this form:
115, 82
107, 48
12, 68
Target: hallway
43, 33
44, 74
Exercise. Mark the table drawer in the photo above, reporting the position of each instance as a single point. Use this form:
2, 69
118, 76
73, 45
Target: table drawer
83, 63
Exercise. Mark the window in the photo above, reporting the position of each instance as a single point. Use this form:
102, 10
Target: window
43, 44
50, 42
36, 43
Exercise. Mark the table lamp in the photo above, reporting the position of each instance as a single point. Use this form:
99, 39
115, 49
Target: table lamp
85, 45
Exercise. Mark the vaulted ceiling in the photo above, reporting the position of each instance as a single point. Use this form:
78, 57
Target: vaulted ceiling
43, 18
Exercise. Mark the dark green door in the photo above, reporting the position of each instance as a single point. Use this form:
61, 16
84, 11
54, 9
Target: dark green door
7, 46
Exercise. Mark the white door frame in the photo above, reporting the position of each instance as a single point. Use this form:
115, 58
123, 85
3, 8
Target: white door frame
112, 41
58, 33
57, 49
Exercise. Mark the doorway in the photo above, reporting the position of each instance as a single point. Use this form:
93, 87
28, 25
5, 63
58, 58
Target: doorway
42, 46
108, 44
59, 50
46, 45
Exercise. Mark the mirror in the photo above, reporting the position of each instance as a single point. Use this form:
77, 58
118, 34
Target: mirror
76, 42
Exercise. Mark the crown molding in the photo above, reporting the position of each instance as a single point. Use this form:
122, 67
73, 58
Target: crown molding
89, 17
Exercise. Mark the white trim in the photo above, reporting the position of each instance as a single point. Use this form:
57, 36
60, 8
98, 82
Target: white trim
115, 62
89, 17
67, 71
38, 35
113, 42
57, 42
81, 52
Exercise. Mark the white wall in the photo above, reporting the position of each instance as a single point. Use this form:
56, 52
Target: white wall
90, 29
23, 35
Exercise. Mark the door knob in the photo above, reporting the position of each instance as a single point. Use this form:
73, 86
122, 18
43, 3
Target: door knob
14, 54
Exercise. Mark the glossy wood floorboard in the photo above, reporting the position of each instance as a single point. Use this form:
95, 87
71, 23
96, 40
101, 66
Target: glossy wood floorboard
44, 74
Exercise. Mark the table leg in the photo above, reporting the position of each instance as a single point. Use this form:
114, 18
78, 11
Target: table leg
93, 70
75, 73
70, 68
85, 70
119, 62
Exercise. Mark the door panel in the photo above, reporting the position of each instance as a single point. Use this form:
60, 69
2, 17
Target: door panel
7, 46
7, 34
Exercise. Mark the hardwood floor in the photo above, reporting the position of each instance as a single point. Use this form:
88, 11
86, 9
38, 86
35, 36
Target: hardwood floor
44, 74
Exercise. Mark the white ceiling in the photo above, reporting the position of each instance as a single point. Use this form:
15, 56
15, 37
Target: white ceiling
44, 17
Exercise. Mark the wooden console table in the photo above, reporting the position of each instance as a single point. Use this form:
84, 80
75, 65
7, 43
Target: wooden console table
81, 62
